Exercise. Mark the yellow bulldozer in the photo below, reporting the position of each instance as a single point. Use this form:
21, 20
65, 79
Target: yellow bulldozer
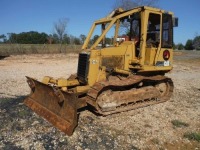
124, 74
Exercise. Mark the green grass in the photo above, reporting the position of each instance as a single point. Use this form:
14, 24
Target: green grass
192, 136
178, 123
15, 49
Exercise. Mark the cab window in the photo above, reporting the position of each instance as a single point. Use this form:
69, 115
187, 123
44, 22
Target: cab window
153, 30
167, 31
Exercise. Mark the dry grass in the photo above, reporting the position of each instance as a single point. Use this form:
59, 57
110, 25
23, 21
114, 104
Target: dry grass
13, 49
178, 53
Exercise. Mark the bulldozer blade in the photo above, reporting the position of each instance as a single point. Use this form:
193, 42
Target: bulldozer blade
56, 106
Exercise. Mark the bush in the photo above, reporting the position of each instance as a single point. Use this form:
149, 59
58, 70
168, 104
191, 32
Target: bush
189, 45
178, 123
192, 136
180, 46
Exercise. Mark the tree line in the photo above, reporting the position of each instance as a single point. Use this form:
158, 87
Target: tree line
34, 37
190, 44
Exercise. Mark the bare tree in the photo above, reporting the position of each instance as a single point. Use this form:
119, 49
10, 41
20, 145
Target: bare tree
60, 29
129, 4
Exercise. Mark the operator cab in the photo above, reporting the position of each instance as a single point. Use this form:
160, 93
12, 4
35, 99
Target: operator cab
141, 39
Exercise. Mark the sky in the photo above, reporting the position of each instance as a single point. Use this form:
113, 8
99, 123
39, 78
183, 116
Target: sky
40, 15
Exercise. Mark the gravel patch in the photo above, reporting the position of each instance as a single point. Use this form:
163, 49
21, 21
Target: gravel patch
145, 128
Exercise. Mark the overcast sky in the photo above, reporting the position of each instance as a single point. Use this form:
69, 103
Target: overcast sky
39, 15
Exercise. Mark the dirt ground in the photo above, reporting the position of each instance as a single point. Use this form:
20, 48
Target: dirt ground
161, 126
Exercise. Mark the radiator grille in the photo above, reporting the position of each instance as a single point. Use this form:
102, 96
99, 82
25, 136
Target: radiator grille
83, 65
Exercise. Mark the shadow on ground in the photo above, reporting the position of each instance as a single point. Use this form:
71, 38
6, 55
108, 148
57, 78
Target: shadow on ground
12, 112
16, 120
2, 57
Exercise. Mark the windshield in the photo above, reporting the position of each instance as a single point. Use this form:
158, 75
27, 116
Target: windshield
109, 33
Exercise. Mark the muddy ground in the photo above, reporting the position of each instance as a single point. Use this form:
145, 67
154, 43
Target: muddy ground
169, 125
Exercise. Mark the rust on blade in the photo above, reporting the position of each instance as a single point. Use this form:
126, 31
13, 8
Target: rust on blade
44, 100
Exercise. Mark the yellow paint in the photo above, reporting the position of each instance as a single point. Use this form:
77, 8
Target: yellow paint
149, 59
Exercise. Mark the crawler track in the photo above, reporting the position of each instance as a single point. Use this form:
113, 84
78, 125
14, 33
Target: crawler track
129, 93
